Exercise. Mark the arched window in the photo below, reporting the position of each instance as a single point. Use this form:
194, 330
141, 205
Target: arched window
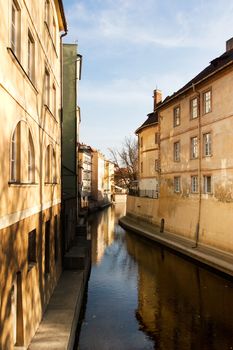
15, 155
50, 165
31, 159
22, 155
54, 173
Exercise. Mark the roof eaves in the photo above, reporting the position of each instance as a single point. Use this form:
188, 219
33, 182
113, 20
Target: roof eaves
62, 13
144, 126
192, 86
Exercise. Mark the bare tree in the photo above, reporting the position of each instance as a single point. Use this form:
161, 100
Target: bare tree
126, 160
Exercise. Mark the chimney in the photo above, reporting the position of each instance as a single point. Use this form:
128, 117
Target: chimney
157, 97
229, 44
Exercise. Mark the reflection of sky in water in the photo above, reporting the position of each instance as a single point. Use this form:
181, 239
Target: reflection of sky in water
141, 296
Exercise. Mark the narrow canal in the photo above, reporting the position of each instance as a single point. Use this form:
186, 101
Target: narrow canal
141, 296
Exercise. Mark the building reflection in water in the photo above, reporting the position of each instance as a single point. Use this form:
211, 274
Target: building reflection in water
103, 231
180, 305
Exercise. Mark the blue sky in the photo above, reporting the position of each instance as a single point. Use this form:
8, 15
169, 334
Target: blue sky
130, 47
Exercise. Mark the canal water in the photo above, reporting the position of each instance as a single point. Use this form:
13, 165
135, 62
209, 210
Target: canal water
142, 296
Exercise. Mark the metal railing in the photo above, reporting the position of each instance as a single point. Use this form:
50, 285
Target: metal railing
144, 193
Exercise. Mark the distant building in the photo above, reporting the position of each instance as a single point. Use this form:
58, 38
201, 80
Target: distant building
102, 180
30, 184
85, 174
70, 137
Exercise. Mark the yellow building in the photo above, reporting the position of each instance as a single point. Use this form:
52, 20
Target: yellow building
196, 192
30, 85
85, 174
195, 157
148, 153
102, 184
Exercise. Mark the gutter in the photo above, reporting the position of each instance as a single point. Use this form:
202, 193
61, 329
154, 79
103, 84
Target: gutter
61, 128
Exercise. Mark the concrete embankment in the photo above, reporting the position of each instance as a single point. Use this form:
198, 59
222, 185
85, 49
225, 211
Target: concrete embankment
57, 329
214, 258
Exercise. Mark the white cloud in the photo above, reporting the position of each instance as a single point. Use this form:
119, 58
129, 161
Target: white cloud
201, 24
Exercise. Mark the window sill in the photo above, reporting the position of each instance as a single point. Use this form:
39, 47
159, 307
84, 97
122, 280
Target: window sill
51, 183
15, 58
22, 184
50, 112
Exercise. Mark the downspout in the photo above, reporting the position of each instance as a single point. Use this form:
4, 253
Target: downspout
61, 169
199, 169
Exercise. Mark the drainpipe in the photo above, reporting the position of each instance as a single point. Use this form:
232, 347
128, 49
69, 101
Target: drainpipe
61, 121
199, 169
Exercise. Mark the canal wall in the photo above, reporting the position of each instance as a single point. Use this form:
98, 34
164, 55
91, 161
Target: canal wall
183, 217
57, 331
144, 215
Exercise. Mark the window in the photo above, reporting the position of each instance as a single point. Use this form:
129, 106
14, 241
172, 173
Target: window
194, 108
194, 184
207, 101
15, 155
32, 247
47, 248
176, 116
207, 184
194, 147
15, 28
47, 13
54, 32
22, 153
156, 165
55, 238
207, 145
156, 138
141, 142
31, 159
31, 57
54, 100
47, 88
177, 184
141, 167
177, 151
50, 165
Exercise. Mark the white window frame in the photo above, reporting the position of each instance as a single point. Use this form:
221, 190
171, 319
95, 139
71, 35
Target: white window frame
207, 144
14, 163
194, 184
15, 28
177, 187
176, 116
54, 100
207, 101
207, 184
176, 151
47, 88
31, 56
194, 108
194, 147
31, 159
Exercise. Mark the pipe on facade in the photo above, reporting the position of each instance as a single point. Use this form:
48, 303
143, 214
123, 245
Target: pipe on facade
199, 168
62, 225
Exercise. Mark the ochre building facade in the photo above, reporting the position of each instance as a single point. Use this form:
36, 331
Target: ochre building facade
30, 185
195, 176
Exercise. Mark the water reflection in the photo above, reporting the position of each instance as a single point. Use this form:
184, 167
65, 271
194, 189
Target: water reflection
141, 296
180, 305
